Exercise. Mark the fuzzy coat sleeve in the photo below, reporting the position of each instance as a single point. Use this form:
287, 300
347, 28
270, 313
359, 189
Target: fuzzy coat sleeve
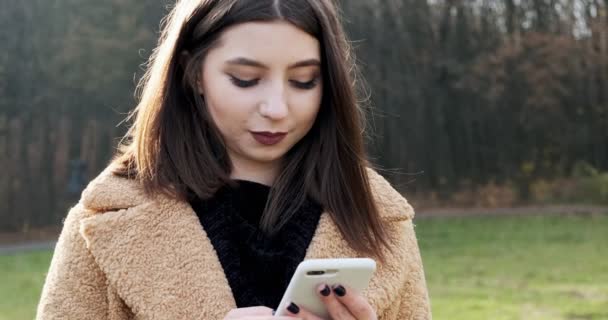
414, 299
75, 287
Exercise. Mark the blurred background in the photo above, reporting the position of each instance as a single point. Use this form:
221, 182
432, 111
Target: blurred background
490, 116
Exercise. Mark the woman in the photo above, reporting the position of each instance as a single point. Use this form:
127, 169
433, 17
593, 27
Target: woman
245, 158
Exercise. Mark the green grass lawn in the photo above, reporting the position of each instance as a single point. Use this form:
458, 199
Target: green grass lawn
537, 267
21, 279
534, 267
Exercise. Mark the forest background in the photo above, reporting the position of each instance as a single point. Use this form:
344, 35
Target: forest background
479, 103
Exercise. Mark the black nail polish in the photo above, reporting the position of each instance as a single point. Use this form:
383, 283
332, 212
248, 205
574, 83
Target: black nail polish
326, 291
293, 308
339, 290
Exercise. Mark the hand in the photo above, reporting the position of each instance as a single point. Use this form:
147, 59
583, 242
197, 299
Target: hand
253, 313
342, 302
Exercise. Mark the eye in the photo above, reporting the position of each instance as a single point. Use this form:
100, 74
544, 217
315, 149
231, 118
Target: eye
243, 83
305, 85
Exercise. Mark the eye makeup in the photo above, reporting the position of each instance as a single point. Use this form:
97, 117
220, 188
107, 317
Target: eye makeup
248, 83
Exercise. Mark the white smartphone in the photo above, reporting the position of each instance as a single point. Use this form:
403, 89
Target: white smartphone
302, 289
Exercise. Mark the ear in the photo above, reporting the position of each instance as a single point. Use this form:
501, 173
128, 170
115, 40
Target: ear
199, 88
184, 58
199, 84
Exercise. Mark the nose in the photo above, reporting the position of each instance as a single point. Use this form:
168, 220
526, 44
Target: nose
275, 105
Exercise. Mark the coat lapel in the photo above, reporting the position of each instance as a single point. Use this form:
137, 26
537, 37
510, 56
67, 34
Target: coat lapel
384, 287
160, 261
162, 264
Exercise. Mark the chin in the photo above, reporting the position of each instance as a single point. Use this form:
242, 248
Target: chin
265, 158
267, 155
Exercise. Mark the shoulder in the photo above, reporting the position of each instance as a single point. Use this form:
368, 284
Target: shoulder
391, 204
108, 191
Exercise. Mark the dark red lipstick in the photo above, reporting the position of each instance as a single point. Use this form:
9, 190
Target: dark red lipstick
268, 138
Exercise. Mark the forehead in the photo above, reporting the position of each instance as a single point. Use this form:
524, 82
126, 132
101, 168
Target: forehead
272, 43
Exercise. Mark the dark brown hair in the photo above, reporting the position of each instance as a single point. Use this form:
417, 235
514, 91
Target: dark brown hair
173, 146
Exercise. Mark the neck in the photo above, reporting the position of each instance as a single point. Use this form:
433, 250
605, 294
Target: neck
264, 173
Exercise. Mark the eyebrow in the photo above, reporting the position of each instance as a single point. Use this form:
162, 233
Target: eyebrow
252, 63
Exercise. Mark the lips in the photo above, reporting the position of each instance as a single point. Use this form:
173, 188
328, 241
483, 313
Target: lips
268, 138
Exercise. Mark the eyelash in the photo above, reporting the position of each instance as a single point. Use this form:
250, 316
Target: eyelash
250, 83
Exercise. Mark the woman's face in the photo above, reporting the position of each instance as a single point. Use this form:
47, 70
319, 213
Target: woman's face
262, 87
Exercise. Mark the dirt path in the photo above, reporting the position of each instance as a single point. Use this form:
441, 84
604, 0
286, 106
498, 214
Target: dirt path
46, 238
14, 248
527, 210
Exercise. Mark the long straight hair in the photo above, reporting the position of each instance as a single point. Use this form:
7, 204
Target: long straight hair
174, 147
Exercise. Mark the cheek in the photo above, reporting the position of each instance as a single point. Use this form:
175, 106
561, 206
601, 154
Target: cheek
226, 117
307, 108
228, 107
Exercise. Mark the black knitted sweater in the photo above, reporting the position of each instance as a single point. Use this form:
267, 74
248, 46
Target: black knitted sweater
258, 267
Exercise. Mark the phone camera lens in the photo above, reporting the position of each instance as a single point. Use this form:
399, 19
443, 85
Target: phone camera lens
315, 273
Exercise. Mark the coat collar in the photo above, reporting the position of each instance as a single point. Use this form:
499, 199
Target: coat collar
162, 264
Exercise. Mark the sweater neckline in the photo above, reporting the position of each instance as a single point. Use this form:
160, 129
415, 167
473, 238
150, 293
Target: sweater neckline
231, 219
248, 198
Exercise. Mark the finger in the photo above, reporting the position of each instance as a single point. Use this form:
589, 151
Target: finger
297, 311
335, 308
250, 311
269, 318
356, 304
265, 318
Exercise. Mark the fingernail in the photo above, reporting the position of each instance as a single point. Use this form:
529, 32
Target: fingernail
339, 290
326, 291
293, 308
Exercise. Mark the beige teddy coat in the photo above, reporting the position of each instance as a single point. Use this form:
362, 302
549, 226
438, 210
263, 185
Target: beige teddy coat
122, 255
